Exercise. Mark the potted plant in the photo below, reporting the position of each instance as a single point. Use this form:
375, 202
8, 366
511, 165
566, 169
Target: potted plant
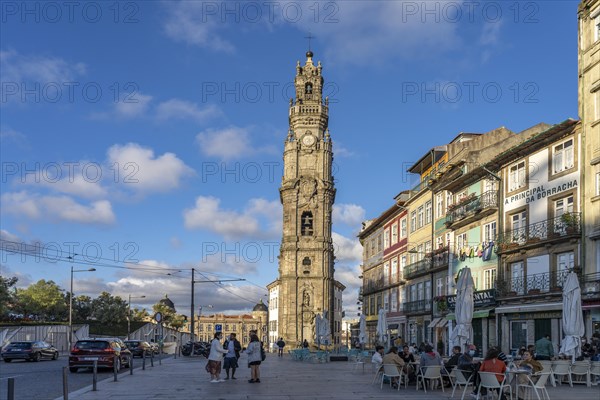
570, 221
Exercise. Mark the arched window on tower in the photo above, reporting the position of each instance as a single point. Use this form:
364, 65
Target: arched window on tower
306, 224
308, 88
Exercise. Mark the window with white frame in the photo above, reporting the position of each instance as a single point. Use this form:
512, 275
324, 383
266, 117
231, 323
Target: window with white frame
439, 205
461, 241
563, 206
413, 292
394, 299
518, 223
379, 243
386, 274
565, 261
597, 183
439, 287
386, 239
402, 265
403, 230
395, 233
489, 232
517, 277
420, 216
449, 199
597, 28
428, 211
386, 304
516, 176
413, 221
563, 156
448, 236
428, 247
489, 279
428, 290
420, 252
439, 242
489, 185
420, 292
394, 278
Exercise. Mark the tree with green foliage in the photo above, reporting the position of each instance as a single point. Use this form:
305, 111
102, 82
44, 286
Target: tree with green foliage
109, 310
7, 295
44, 300
139, 314
82, 308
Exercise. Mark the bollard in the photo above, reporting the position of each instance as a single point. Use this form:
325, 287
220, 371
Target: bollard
152, 359
144, 362
131, 364
115, 372
11, 388
95, 376
65, 384
160, 356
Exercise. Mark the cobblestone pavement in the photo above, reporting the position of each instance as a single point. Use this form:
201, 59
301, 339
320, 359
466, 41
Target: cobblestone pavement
281, 378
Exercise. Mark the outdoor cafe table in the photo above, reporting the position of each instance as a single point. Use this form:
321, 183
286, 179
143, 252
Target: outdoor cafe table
515, 373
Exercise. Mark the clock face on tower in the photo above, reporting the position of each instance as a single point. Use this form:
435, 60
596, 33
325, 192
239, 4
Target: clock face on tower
308, 139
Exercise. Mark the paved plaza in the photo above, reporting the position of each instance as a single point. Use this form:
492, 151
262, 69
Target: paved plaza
281, 378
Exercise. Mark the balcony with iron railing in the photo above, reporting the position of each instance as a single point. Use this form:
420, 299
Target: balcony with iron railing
471, 209
567, 226
433, 262
547, 283
417, 307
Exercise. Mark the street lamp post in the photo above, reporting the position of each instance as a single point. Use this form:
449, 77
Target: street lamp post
192, 308
129, 313
71, 303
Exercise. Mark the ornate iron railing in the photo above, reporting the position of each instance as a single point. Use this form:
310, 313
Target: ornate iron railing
566, 225
440, 260
418, 268
472, 206
531, 284
418, 306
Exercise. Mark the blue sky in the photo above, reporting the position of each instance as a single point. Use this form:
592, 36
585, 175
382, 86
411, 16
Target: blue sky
151, 132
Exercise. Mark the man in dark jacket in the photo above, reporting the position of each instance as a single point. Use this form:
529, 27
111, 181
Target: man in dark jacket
280, 346
453, 361
233, 347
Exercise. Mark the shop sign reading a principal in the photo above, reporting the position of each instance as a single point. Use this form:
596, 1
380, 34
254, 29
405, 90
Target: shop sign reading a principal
540, 192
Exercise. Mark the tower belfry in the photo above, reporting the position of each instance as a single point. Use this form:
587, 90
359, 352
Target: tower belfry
306, 285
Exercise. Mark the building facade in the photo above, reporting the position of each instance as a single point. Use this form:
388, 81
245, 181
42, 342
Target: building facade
589, 112
306, 286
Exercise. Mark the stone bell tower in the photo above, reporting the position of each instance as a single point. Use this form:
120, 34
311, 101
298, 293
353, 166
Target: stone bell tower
306, 284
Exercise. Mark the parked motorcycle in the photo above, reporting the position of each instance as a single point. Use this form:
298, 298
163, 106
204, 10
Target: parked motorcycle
198, 349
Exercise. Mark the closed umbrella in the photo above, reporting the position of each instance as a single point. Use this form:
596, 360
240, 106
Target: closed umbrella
382, 327
317, 328
572, 317
362, 332
463, 332
324, 329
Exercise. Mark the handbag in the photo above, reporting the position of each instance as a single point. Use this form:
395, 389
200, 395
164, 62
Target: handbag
263, 355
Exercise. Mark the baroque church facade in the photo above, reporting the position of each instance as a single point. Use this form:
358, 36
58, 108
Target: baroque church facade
306, 289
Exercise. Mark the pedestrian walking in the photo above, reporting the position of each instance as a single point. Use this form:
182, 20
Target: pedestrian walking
280, 346
215, 358
233, 347
254, 358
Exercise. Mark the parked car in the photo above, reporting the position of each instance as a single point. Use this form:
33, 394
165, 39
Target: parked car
29, 350
106, 351
139, 348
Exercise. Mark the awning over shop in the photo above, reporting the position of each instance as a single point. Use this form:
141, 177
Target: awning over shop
529, 308
438, 323
476, 314
434, 322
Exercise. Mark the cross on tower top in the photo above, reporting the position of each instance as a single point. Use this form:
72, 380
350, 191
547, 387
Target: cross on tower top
309, 37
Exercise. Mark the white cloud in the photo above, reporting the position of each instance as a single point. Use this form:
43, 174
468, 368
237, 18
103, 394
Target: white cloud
181, 109
73, 184
229, 143
62, 208
133, 107
6, 235
340, 151
15, 67
7, 133
208, 214
349, 214
144, 172
187, 22
346, 250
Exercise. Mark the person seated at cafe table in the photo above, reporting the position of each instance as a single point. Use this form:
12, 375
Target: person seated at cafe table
408, 358
491, 363
529, 363
377, 359
453, 361
392, 358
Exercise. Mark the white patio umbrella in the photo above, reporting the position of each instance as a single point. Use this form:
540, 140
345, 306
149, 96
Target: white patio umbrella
382, 327
324, 329
362, 333
317, 329
463, 332
572, 317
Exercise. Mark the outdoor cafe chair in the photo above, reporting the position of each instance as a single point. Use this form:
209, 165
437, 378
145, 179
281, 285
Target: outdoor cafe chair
595, 372
581, 369
391, 371
460, 380
560, 370
536, 387
547, 367
432, 372
489, 381
378, 371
